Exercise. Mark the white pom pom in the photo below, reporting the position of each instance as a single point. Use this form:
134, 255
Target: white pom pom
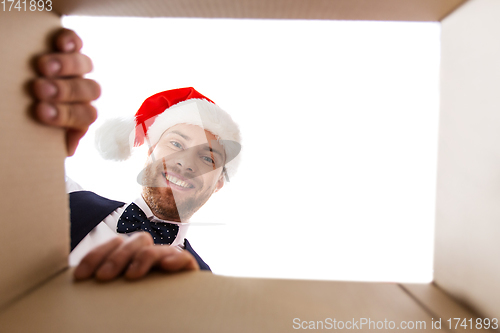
112, 139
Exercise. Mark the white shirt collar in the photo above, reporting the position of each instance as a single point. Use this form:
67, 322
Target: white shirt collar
183, 226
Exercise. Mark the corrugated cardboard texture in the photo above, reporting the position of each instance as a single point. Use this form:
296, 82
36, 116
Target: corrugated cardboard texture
442, 306
386, 10
34, 233
203, 302
467, 247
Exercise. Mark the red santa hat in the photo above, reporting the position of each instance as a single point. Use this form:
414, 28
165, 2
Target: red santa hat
115, 138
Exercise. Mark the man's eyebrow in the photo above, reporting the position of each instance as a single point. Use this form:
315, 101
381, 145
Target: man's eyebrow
205, 147
180, 134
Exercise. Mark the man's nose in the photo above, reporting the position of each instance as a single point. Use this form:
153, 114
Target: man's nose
185, 161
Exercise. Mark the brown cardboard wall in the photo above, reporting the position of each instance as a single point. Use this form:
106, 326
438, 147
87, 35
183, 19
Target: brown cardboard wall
203, 302
467, 247
35, 234
386, 10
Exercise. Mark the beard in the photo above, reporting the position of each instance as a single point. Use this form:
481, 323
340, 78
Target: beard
162, 205
161, 199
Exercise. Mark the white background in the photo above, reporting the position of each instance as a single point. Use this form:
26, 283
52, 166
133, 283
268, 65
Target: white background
339, 123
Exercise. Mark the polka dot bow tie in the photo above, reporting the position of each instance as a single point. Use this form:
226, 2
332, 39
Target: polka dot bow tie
134, 219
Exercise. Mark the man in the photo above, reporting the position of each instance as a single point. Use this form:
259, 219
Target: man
64, 101
192, 145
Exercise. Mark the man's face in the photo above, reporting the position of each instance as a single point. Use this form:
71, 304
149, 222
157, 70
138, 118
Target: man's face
182, 172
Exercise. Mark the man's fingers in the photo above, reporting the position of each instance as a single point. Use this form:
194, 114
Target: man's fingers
182, 261
145, 260
63, 95
139, 253
74, 116
89, 264
122, 256
66, 91
64, 64
167, 258
68, 41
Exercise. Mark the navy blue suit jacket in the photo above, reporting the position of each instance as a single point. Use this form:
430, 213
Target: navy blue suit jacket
89, 209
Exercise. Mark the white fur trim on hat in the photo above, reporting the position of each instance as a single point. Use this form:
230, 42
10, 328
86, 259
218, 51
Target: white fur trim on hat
112, 138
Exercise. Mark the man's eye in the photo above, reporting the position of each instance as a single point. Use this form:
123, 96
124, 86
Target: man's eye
208, 159
176, 144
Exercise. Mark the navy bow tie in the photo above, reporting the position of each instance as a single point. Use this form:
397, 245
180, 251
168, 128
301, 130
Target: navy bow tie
134, 219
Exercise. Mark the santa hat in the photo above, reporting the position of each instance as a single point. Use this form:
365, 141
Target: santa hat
114, 139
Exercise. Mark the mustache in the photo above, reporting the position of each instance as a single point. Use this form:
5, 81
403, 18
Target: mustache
148, 175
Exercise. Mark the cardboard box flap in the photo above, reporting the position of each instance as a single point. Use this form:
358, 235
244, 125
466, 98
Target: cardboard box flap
35, 219
380, 10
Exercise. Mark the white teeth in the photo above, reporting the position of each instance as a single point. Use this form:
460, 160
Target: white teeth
177, 181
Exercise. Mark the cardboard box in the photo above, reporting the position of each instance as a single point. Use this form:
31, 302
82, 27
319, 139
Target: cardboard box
36, 291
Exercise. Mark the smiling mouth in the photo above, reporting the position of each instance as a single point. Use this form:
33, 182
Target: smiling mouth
177, 182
